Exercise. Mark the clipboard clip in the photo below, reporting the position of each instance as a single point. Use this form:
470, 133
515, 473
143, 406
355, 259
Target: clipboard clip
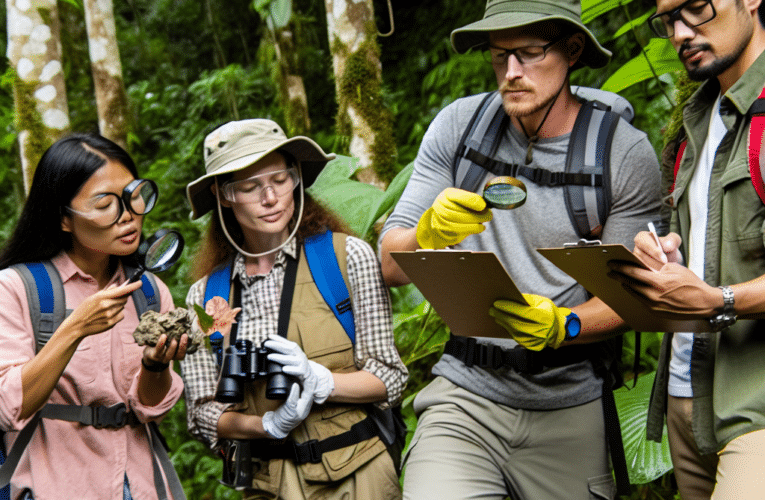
583, 243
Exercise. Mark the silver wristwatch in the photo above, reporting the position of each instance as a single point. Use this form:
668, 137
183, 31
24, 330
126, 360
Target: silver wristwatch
728, 317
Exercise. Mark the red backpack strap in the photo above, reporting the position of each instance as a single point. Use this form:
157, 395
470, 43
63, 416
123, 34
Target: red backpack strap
755, 144
680, 152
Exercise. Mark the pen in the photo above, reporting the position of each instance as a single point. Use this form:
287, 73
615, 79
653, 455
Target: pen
652, 228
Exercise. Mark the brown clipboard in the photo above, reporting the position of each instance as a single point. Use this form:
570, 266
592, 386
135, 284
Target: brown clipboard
461, 286
588, 265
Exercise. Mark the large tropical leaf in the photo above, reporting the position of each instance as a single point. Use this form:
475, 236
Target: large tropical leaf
646, 460
659, 58
360, 205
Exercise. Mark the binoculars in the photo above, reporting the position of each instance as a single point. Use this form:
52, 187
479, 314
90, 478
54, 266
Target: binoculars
244, 363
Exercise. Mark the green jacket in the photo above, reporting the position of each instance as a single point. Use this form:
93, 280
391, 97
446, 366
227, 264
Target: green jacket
727, 369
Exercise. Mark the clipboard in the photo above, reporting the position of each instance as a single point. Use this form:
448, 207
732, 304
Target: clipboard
587, 263
461, 286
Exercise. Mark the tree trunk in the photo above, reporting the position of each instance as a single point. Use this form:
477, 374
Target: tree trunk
34, 51
111, 98
362, 116
290, 86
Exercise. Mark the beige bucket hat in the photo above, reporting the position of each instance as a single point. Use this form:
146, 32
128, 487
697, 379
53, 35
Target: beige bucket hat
237, 145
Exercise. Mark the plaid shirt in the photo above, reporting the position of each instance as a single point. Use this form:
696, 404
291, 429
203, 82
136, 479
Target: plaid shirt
374, 351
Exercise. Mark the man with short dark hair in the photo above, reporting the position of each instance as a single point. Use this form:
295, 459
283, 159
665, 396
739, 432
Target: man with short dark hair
489, 430
711, 384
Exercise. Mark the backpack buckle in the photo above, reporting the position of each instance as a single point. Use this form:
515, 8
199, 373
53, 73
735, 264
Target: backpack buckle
109, 416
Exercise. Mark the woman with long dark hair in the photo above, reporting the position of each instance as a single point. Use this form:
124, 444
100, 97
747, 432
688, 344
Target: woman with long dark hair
258, 233
90, 392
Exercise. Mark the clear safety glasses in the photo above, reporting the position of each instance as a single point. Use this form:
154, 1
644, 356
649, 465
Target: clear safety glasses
253, 190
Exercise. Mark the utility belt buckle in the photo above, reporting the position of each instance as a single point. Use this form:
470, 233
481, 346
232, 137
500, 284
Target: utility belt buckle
307, 451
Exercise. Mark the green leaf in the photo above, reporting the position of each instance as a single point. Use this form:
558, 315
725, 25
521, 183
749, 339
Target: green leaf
633, 24
646, 460
661, 56
205, 320
594, 8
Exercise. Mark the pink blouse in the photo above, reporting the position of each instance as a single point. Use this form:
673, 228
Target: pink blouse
66, 459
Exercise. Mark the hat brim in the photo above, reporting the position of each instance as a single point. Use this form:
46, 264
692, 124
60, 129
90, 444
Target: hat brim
476, 35
310, 155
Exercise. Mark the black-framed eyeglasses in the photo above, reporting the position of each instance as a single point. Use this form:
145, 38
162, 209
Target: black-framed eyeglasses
692, 13
140, 197
529, 54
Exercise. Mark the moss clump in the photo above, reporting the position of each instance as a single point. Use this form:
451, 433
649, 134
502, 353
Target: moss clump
28, 119
684, 89
360, 86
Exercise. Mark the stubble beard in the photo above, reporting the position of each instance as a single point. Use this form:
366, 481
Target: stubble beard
524, 109
717, 66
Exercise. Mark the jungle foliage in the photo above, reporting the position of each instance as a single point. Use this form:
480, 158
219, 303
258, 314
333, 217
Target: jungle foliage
192, 64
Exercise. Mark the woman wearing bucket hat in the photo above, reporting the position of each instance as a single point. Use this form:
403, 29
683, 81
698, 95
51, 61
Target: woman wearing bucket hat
263, 220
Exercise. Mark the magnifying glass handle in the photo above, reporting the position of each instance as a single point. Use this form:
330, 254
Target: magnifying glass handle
136, 276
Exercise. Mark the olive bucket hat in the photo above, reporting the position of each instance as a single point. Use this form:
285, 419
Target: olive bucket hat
237, 145
504, 14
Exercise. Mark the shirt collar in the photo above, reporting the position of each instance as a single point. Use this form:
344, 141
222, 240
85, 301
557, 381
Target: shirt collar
281, 257
68, 269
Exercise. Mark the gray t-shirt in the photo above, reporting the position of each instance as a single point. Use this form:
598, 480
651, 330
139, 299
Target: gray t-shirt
514, 235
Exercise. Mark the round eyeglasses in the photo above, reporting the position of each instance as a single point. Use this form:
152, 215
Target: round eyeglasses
253, 189
692, 13
498, 56
139, 197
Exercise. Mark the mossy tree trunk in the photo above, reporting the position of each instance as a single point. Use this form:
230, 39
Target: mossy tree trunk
362, 116
291, 87
34, 51
111, 98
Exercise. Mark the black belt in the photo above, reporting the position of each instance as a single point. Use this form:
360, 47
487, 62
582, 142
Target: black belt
312, 450
471, 353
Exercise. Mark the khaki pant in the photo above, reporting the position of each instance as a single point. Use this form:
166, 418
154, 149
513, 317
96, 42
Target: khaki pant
737, 473
467, 447
695, 473
375, 480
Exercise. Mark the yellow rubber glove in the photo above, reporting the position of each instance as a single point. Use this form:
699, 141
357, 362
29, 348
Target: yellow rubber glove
536, 326
455, 214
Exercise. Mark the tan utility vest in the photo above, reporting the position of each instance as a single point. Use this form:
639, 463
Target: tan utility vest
314, 327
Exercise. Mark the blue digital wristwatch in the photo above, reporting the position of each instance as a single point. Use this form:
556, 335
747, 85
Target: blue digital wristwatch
573, 326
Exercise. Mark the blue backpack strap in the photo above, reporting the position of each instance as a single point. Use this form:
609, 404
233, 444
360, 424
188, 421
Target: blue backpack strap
322, 261
45, 295
218, 285
146, 298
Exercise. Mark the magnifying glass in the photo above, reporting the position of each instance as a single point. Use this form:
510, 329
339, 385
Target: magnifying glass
504, 192
158, 253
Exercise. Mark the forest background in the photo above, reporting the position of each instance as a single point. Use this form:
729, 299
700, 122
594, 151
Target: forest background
189, 65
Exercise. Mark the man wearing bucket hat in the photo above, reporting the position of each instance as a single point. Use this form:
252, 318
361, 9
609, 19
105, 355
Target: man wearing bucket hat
316, 443
520, 417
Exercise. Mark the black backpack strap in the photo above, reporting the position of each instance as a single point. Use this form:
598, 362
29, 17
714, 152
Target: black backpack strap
482, 134
589, 153
311, 451
45, 296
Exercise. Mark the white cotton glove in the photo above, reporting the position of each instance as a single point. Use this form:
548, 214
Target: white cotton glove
280, 422
294, 362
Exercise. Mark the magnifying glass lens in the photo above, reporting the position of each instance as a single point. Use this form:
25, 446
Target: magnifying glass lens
504, 193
